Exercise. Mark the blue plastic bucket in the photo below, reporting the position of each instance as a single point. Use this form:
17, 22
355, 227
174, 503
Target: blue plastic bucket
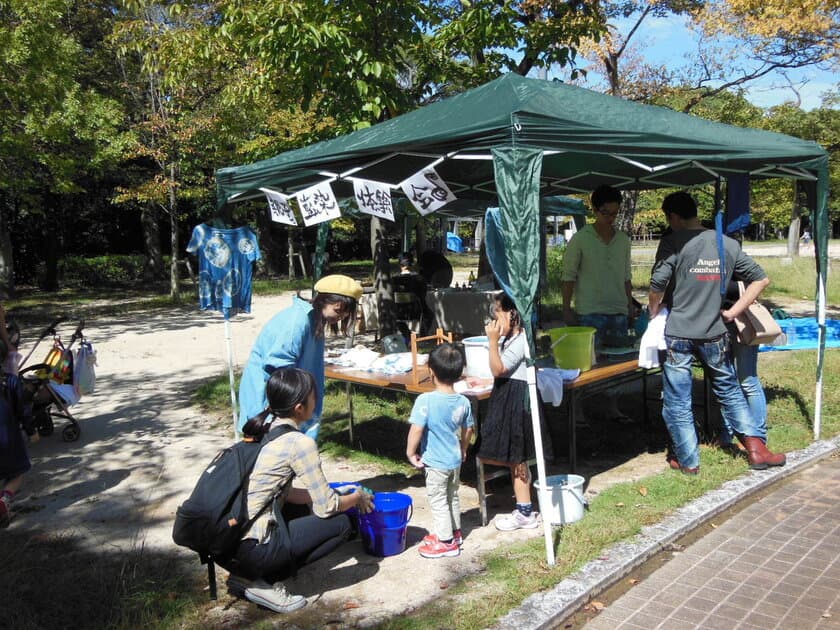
383, 530
393, 509
386, 541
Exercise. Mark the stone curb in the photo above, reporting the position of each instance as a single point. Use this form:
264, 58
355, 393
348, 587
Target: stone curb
546, 609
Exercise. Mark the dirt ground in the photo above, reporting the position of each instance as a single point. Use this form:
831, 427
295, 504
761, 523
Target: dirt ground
142, 446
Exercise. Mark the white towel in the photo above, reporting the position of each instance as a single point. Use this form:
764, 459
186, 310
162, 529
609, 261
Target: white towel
653, 340
357, 357
550, 383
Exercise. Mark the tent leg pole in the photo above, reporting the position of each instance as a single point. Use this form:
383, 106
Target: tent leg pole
820, 356
545, 494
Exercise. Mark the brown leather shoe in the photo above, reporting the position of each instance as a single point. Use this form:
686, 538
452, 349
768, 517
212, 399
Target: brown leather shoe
675, 465
759, 456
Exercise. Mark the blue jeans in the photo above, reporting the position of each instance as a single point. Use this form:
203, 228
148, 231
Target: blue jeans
746, 368
677, 385
616, 324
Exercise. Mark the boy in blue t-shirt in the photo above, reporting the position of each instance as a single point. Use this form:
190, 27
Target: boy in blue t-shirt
441, 427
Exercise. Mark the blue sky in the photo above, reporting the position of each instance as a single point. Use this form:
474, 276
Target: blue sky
667, 41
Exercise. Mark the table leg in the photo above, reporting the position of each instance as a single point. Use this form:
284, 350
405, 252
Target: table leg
572, 431
482, 491
350, 410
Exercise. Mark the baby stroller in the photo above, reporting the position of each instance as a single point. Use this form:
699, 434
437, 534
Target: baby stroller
59, 382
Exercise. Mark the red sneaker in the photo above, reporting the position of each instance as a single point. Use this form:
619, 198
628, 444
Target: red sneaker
457, 538
439, 549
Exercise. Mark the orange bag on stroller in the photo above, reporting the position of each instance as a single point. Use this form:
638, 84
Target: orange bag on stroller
50, 385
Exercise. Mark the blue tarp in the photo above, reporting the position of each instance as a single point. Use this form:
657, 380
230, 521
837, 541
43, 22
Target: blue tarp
802, 334
453, 242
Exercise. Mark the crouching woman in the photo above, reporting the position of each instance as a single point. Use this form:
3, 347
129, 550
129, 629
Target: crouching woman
302, 523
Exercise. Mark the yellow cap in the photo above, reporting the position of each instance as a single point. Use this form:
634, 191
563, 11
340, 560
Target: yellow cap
339, 285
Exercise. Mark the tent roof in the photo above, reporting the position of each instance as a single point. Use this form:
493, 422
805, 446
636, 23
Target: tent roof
588, 138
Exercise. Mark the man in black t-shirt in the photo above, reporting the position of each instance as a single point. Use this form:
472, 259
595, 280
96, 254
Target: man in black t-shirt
689, 259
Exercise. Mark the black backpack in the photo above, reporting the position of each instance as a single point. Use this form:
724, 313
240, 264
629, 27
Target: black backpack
213, 520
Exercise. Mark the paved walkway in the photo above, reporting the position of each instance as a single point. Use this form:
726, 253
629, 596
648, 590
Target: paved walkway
776, 564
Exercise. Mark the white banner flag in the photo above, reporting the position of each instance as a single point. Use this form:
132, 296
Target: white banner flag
318, 204
427, 191
279, 207
374, 198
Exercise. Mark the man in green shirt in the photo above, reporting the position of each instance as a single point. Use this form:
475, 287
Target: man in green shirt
596, 270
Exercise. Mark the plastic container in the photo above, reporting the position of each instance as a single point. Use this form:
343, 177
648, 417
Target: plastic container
382, 542
573, 347
477, 350
562, 501
383, 530
393, 509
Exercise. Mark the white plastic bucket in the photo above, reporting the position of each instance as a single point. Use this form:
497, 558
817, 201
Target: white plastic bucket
477, 350
562, 501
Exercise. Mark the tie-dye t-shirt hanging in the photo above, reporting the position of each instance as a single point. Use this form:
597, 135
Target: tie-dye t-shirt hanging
225, 261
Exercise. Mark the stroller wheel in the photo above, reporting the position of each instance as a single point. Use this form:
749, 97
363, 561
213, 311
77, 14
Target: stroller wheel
70, 433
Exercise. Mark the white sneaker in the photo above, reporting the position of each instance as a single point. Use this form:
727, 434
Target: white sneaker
516, 520
274, 597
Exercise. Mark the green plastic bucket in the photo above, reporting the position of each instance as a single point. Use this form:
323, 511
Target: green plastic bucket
573, 347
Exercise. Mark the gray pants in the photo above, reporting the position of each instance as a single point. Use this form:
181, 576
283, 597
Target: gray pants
442, 489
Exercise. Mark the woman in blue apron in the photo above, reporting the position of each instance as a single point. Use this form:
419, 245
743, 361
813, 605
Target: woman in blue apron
295, 337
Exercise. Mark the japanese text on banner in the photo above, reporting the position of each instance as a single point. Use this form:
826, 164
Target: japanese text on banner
427, 191
374, 198
318, 204
279, 207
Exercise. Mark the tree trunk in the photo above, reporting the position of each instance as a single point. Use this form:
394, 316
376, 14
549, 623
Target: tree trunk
173, 235
51, 245
419, 237
272, 244
150, 222
7, 267
382, 277
793, 230
611, 65
627, 212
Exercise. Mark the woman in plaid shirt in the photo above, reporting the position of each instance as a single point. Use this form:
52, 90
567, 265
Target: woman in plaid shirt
304, 523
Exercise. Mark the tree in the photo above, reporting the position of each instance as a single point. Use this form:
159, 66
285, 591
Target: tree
360, 62
638, 80
58, 126
481, 39
745, 40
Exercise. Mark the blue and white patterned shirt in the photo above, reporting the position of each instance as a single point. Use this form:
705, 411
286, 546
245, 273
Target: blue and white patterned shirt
225, 261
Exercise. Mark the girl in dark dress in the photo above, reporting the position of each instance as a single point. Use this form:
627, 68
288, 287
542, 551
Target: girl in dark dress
506, 437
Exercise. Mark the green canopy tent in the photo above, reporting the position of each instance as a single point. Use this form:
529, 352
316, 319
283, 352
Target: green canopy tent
515, 140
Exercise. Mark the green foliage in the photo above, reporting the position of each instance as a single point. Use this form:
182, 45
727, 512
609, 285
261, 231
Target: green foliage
101, 271
554, 270
379, 59
480, 37
56, 123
